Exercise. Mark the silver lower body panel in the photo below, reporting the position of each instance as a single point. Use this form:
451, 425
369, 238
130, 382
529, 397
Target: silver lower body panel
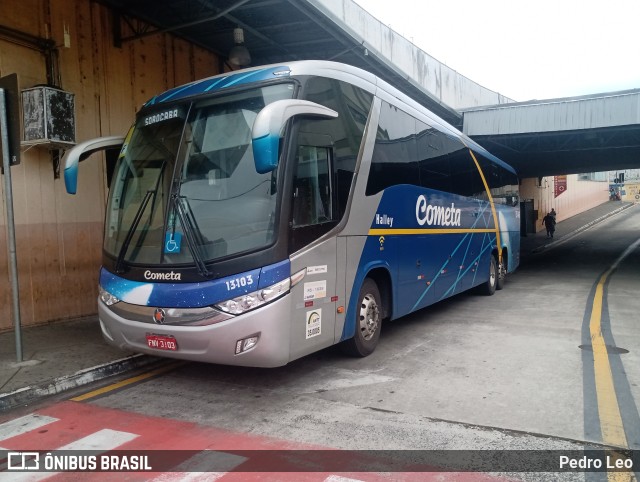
214, 343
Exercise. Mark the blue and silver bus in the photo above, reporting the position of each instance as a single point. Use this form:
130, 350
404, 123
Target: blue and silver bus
261, 215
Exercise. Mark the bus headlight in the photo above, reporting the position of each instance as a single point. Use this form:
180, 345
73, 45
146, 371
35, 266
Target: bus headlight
106, 297
251, 301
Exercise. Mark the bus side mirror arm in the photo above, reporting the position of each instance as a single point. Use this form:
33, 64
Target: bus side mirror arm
265, 134
80, 152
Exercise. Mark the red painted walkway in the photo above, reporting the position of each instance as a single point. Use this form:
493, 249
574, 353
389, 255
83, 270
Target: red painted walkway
184, 451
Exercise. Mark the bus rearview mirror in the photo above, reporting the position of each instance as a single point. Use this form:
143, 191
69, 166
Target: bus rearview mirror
80, 152
265, 134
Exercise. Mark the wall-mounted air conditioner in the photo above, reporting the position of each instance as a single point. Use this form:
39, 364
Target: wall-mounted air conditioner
48, 117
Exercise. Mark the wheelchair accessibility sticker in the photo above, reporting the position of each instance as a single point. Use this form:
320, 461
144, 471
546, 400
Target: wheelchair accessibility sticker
172, 242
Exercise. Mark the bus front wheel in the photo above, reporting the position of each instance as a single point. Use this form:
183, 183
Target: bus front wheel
368, 321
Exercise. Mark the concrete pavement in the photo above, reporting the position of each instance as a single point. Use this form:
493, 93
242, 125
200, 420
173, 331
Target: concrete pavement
567, 228
58, 357
66, 355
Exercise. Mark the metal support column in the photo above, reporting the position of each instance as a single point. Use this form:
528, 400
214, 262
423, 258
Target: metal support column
11, 231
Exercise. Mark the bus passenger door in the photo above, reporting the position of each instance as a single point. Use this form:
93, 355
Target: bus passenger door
312, 217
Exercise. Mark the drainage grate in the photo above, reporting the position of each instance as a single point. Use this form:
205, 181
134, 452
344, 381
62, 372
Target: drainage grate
616, 350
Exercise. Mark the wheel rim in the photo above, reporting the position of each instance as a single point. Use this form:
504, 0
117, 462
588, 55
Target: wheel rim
369, 317
492, 274
502, 271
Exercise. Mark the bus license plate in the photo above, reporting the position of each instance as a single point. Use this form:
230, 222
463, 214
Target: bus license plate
161, 342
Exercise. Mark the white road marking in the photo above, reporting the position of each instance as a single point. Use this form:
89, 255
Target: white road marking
102, 441
195, 469
25, 424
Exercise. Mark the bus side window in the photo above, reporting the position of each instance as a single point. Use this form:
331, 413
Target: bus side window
503, 183
466, 179
394, 160
435, 172
344, 133
312, 187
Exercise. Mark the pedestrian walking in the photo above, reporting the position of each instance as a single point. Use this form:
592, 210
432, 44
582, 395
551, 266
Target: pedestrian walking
549, 222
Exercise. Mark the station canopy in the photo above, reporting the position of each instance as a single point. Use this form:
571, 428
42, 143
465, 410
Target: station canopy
273, 31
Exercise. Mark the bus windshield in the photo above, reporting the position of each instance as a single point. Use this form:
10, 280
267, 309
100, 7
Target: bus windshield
185, 189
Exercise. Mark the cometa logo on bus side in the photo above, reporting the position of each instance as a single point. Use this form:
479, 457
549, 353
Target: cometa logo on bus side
436, 215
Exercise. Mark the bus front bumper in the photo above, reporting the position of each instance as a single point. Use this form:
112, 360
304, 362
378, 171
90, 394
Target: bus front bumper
215, 343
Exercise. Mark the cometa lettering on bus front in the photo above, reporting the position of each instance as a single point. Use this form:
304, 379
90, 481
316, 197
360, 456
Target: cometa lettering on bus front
172, 276
436, 215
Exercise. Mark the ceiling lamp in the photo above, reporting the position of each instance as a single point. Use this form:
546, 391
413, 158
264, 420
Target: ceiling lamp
239, 54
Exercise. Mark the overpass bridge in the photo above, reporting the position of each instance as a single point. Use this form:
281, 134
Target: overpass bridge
591, 133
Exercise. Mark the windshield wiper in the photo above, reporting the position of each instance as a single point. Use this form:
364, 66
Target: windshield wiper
132, 230
191, 232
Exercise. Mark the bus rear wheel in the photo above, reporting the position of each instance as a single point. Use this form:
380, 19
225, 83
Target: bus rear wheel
502, 272
368, 321
488, 288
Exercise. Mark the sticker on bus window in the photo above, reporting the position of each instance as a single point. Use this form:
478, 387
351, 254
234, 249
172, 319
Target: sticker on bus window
314, 323
172, 243
315, 290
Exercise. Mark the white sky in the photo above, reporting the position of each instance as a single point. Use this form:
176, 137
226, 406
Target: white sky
525, 50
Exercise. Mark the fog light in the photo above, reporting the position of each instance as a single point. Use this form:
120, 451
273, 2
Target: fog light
246, 344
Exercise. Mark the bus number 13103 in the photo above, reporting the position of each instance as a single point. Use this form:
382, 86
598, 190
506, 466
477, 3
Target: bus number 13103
239, 282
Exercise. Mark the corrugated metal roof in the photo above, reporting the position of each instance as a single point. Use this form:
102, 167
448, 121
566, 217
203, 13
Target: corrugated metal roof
559, 136
274, 31
562, 136
287, 30
575, 113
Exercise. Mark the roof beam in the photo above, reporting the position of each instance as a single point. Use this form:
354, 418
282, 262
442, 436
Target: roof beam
222, 13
